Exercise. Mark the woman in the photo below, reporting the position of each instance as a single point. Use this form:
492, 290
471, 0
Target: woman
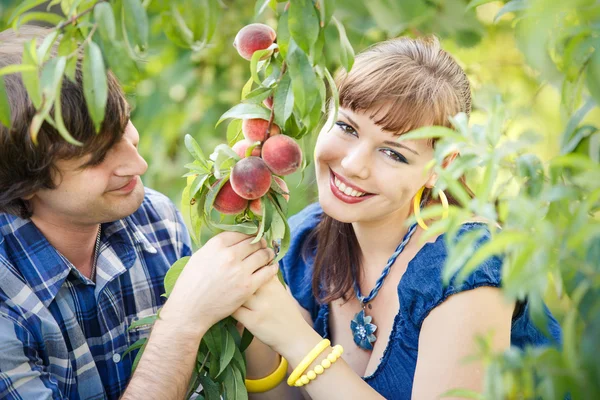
403, 333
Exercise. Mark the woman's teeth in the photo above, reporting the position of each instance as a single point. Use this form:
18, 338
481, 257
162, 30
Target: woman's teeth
347, 190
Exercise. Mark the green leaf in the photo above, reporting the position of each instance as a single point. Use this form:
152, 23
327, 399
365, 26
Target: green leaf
138, 343
50, 18
227, 350
212, 194
198, 183
346, 50
466, 393
14, 68
283, 100
285, 240
51, 78
210, 388
326, 9
136, 21
567, 139
194, 148
304, 79
43, 52
60, 123
176, 29
303, 23
477, 3
224, 159
4, 105
260, 7
593, 75
247, 228
334, 95
283, 34
137, 359
212, 339
256, 58
245, 111
23, 7
31, 79
173, 273
149, 320
435, 131
234, 385
107, 26
511, 6
247, 338
265, 221
95, 87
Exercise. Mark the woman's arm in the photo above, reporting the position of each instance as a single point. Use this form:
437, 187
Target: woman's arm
272, 315
448, 336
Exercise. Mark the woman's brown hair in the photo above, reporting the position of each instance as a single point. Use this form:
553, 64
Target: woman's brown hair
404, 84
26, 167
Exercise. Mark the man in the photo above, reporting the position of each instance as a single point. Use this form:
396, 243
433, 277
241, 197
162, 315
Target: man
83, 253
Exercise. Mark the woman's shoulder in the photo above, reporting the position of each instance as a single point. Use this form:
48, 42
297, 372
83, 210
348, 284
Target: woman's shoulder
437, 271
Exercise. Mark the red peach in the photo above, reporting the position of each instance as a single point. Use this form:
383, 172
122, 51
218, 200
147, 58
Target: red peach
268, 102
254, 37
241, 147
255, 205
282, 154
251, 178
255, 129
228, 202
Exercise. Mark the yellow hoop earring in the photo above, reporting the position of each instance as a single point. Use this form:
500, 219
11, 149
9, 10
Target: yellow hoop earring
417, 207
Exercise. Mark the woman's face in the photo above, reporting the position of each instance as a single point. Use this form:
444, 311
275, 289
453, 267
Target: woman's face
364, 173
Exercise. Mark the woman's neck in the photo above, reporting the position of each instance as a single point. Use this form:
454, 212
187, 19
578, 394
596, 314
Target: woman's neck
379, 239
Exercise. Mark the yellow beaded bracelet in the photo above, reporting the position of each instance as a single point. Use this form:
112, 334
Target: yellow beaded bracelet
320, 368
268, 382
305, 363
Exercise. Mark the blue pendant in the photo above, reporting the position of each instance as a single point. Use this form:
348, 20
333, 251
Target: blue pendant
362, 330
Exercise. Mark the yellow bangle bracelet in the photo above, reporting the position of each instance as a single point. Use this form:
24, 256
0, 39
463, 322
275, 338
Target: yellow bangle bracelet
268, 382
320, 368
305, 363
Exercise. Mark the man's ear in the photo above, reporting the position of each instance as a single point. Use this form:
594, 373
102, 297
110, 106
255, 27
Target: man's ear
434, 176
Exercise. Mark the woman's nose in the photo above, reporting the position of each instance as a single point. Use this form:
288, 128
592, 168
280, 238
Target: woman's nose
356, 163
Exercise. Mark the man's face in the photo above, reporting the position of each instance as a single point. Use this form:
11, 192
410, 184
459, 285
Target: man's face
105, 192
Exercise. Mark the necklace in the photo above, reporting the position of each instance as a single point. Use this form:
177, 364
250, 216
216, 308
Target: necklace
362, 328
96, 251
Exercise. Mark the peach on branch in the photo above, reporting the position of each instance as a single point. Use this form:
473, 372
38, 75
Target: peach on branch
255, 205
268, 102
229, 202
241, 147
251, 178
282, 154
254, 37
255, 129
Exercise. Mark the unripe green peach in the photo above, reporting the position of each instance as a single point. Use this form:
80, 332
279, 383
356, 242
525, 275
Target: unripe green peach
229, 202
255, 129
282, 154
254, 37
250, 178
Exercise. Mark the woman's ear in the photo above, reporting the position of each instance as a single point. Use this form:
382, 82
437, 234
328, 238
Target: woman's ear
434, 177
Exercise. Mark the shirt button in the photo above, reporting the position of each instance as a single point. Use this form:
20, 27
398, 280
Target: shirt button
116, 358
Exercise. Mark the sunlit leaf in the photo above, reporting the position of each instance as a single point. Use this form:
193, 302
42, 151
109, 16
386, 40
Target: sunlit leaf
107, 26
303, 23
136, 21
173, 273
95, 87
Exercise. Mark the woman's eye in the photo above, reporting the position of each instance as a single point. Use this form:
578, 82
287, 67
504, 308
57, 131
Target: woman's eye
346, 128
395, 156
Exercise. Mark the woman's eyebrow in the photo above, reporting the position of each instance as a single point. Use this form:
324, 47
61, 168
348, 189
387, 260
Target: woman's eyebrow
399, 145
349, 119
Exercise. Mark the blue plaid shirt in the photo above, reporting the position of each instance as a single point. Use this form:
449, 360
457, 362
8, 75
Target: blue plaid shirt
62, 335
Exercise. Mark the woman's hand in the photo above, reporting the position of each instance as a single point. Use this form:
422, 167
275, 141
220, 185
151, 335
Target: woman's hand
272, 315
218, 279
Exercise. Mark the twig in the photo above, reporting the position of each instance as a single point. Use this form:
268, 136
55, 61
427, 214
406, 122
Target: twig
76, 17
283, 68
85, 41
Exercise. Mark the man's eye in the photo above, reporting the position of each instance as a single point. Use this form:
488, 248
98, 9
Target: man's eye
395, 156
346, 128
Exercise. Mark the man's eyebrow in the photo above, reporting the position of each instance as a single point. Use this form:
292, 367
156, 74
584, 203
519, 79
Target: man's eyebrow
399, 145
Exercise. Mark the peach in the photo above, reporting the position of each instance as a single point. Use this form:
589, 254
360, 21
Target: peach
254, 37
268, 102
241, 147
251, 178
228, 201
282, 154
256, 129
255, 205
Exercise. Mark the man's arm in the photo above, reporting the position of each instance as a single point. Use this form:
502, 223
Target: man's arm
165, 369
22, 372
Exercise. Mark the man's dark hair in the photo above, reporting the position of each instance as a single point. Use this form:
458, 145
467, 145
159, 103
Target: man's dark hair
26, 167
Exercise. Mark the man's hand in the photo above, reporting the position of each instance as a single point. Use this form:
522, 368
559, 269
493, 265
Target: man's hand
218, 279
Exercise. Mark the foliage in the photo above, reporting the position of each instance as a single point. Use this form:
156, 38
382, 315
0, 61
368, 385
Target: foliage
536, 146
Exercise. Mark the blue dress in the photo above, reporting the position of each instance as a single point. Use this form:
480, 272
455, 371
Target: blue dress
420, 290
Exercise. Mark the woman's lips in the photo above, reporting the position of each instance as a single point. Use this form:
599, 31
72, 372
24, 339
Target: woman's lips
343, 196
